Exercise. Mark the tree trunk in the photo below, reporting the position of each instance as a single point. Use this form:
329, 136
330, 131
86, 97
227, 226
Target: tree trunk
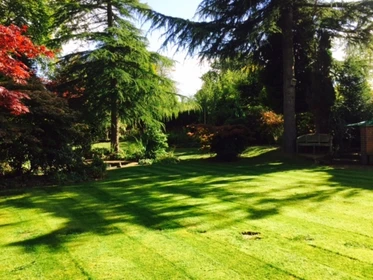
114, 125
288, 80
204, 115
114, 120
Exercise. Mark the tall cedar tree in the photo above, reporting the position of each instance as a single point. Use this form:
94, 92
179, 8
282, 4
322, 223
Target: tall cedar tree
232, 27
118, 74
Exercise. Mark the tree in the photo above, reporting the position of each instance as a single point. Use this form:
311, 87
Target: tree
354, 100
354, 95
224, 95
231, 28
131, 86
46, 138
32, 13
13, 47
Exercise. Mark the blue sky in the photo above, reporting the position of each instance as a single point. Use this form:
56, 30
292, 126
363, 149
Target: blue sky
187, 70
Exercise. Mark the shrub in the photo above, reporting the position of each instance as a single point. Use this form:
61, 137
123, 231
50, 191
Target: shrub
272, 126
167, 158
305, 123
134, 150
45, 139
97, 168
99, 152
179, 138
5, 168
154, 141
146, 161
80, 172
202, 134
227, 141
116, 156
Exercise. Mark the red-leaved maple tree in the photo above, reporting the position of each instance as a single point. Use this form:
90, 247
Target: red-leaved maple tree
13, 46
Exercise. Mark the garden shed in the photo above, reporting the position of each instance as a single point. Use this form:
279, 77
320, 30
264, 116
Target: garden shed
366, 141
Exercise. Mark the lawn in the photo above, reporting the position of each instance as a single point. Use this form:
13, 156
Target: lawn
265, 216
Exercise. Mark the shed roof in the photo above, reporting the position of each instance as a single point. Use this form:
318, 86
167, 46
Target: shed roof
363, 123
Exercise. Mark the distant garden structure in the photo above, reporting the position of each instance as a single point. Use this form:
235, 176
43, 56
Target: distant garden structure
366, 140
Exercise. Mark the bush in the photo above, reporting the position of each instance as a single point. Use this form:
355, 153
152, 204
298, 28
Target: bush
227, 141
97, 168
146, 161
5, 168
154, 141
203, 134
47, 139
179, 138
134, 151
305, 123
265, 125
99, 152
272, 126
80, 172
167, 158
164, 158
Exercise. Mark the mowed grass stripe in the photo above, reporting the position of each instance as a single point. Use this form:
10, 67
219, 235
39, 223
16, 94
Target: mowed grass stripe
237, 197
287, 258
220, 273
334, 244
119, 256
322, 193
76, 237
33, 260
333, 219
125, 256
221, 211
228, 262
245, 258
324, 224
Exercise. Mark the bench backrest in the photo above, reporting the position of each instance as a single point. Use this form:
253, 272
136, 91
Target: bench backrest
314, 138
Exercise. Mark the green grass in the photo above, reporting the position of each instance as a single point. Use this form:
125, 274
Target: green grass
185, 221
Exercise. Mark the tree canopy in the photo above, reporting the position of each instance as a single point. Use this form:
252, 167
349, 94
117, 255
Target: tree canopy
13, 47
238, 28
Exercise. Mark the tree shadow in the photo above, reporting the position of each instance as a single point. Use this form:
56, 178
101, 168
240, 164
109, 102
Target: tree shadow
193, 193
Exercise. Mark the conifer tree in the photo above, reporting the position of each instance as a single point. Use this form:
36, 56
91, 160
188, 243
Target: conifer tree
117, 74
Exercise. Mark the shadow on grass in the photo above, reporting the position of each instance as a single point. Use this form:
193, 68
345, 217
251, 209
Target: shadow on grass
193, 193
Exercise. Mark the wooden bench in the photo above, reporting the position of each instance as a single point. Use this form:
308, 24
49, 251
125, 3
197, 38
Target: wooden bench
115, 163
315, 140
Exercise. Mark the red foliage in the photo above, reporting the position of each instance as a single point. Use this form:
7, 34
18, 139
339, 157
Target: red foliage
12, 100
272, 125
203, 134
270, 118
13, 46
